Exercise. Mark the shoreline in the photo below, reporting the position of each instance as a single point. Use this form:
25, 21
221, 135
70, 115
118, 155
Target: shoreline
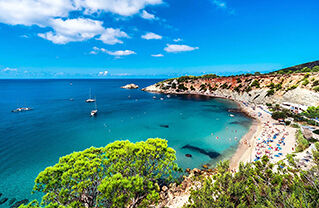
263, 127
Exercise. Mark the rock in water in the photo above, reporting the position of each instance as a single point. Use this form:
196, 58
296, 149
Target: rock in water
188, 155
205, 166
164, 126
0, 194
130, 86
12, 201
17, 204
210, 154
2, 201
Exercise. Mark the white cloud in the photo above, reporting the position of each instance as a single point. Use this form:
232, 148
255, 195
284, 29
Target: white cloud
81, 29
157, 55
150, 35
120, 53
121, 7
55, 14
110, 36
33, 12
104, 73
39, 12
7, 69
146, 15
177, 40
172, 48
112, 53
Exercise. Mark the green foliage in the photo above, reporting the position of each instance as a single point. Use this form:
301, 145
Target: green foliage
311, 112
270, 92
224, 86
238, 80
182, 87
119, 175
302, 143
192, 88
279, 115
292, 87
305, 82
248, 89
316, 88
315, 83
316, 131
255, 84
259, 184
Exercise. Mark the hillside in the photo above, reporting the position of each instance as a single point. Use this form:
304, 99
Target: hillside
306, 67
301, 88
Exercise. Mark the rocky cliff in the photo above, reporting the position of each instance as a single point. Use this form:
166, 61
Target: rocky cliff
300, 88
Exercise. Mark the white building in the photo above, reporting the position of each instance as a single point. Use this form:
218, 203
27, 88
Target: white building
293, 107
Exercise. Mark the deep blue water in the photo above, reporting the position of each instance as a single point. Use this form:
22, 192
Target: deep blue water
33, 140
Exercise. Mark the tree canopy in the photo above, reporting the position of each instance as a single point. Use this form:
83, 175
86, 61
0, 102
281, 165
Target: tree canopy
122, 174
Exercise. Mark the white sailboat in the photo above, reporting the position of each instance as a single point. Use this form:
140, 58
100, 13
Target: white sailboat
90, 100
94, 112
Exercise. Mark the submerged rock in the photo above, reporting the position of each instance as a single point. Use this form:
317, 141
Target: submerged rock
0, 194
164, 126
211, 154
12, 201
130, 86
188, 155
18, 203
2, 201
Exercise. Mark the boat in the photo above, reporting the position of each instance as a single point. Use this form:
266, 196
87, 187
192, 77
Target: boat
94, 112
90, 100
22, 109
231, 115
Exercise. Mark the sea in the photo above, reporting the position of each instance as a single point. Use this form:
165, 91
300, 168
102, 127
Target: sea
208, 129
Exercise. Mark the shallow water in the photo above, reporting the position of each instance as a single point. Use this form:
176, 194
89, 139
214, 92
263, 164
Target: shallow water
33, 140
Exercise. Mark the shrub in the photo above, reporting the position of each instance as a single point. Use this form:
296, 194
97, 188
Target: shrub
315, 83
258, 184
292, 87
270, 92
182, 87
302, 143
305, 82
255, 84
316, 88
279, 115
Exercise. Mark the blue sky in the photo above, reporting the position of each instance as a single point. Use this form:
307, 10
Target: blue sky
154, 38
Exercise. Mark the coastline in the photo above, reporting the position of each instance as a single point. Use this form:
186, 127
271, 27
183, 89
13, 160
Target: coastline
263, 127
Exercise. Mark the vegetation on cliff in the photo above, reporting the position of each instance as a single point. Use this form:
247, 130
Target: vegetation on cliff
259, 184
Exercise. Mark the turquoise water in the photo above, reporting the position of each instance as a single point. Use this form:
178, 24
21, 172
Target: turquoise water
33, 140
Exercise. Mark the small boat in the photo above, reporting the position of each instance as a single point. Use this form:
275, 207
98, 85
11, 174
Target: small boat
21, 109
161, 98
231, 115
94, 112
154, 97
71, 99
71, 83
90, 100
168, 96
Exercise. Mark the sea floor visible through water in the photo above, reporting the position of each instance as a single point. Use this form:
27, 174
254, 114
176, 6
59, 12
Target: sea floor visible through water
60, 124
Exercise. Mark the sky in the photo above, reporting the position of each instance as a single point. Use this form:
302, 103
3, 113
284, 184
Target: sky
154, 38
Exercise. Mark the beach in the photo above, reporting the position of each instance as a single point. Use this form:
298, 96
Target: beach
265, 137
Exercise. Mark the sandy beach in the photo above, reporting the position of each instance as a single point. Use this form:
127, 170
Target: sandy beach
265, 137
